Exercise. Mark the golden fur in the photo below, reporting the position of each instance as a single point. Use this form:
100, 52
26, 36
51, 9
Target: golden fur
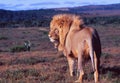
70, 35
63, 21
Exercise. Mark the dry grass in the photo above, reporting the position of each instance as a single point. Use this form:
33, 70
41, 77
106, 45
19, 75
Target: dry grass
43, 64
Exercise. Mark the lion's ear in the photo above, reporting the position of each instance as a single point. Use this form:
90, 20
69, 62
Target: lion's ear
61, 24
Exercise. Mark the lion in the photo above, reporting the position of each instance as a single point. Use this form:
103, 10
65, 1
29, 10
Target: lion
77, 41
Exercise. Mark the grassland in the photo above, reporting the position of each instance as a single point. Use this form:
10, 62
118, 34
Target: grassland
43, 64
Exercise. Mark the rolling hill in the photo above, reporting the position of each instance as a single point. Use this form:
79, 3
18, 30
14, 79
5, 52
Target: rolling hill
42, 17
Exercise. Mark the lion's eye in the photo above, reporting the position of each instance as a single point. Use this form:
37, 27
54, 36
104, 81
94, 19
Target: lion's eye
56, 31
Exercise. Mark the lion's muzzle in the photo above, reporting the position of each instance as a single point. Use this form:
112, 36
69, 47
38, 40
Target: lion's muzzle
52, 40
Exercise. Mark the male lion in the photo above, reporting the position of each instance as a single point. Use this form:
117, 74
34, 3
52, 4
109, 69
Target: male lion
70, 35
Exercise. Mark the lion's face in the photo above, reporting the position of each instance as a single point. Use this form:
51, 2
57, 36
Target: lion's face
54, 35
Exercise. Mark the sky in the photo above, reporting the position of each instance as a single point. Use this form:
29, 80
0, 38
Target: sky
44, 4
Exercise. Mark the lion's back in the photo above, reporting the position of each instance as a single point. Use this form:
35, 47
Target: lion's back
82, 37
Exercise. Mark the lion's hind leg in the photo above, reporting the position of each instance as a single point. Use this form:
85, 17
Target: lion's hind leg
96, 72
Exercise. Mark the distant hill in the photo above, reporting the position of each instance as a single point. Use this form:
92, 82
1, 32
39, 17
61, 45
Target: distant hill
112, 9
98, 7
42, 17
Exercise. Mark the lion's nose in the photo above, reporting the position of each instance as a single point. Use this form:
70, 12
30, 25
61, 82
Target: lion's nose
49, 35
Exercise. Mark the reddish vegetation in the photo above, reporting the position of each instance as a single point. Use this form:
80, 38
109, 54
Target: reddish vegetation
43, 64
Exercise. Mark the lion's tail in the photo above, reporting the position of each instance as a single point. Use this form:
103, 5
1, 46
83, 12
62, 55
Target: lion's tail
95, 49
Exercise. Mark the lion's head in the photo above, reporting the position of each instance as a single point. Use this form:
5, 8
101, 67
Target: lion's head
60, 26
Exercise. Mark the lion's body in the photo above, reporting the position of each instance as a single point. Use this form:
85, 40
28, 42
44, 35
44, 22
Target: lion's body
76, 41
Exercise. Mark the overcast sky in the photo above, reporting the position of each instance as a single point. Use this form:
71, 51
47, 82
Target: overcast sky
43, 4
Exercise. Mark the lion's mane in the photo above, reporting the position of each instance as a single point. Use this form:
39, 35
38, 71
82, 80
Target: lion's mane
63, 22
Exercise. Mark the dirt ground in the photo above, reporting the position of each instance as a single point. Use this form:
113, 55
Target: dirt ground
43, 64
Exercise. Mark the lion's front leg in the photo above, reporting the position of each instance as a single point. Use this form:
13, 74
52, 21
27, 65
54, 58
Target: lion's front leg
71, 65
80, 69
80, 79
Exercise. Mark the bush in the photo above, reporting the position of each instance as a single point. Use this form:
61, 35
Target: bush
3, 38
17, 49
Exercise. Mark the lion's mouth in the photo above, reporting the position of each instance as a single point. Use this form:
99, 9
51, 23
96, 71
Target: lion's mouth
55, 42
52, 40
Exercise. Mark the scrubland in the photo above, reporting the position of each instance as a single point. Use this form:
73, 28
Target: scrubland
44, 64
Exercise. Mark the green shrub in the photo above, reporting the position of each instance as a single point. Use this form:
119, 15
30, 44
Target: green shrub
116, 81
3, 38
17, 49
109, 75
105, 55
